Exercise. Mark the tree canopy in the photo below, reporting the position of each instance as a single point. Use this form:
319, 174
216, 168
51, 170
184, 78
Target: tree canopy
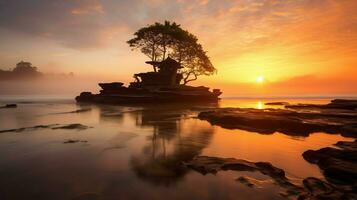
158, 41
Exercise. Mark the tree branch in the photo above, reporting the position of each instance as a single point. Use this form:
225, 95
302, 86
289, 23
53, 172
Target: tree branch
186, 79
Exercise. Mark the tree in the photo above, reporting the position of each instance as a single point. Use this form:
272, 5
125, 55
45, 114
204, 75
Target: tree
147, 40
158, 41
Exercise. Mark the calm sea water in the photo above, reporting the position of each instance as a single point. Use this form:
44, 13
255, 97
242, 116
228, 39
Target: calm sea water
135, 152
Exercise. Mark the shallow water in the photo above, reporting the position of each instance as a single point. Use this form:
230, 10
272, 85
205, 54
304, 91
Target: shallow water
136, 152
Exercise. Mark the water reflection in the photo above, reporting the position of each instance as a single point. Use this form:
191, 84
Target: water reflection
175, 138
136, 152
260, 105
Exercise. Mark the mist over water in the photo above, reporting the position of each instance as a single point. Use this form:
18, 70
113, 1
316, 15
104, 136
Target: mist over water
47, 87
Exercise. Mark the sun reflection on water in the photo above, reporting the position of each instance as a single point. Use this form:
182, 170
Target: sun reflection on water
260, 105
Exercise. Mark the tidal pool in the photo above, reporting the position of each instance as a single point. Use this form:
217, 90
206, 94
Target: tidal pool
138, 152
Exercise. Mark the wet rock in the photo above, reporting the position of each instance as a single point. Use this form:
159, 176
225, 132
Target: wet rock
290, 122
317, 189
111, 86
85, 97
316, 186
338, 165
9, 106
277, 103
245, 181
206, 164
28, 128
74, 141
268, 169
73, 126
51, 126
312, 189
345, 104
347, 145
76, 111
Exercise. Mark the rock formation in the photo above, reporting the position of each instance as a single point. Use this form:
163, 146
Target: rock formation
152, 87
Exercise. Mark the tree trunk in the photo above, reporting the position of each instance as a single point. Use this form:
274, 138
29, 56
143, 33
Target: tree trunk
153, 55
164, 53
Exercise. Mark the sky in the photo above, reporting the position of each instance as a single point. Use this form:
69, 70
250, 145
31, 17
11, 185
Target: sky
259, 47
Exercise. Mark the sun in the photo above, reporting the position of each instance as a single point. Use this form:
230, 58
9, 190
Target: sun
259, 79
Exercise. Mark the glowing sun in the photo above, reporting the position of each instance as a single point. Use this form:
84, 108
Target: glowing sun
259, 79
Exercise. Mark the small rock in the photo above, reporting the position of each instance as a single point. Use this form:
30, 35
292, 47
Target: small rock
73, 126
278, 103
245, 181
74, 141
9, 106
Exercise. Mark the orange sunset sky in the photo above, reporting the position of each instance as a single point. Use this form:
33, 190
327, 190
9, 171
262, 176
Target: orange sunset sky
260, 47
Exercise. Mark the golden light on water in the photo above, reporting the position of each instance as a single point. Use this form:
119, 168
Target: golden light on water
259, 79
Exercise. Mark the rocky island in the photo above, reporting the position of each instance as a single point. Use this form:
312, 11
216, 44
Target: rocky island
152, 87
176, 58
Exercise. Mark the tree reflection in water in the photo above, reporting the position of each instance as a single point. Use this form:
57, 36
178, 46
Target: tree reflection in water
172, 143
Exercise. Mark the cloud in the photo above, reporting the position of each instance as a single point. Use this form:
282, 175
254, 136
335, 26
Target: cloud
84, 23
63, 21
283, 38
80, 23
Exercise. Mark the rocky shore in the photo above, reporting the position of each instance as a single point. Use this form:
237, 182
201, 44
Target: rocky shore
312, 188
346, 104
290, 122
338, 164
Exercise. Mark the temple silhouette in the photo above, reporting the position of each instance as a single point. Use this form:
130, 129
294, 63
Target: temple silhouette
160, 85
22, 71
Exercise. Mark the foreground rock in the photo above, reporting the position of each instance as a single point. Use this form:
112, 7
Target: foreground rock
312, 188
290, 122
315, 188
205, 165
339, 165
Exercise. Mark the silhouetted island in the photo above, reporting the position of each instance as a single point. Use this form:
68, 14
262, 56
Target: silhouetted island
22, 71
151, 87
176, 56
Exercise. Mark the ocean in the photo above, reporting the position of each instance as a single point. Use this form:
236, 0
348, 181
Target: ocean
138, 151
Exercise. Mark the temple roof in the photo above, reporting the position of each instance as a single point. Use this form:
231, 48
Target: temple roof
167, 62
